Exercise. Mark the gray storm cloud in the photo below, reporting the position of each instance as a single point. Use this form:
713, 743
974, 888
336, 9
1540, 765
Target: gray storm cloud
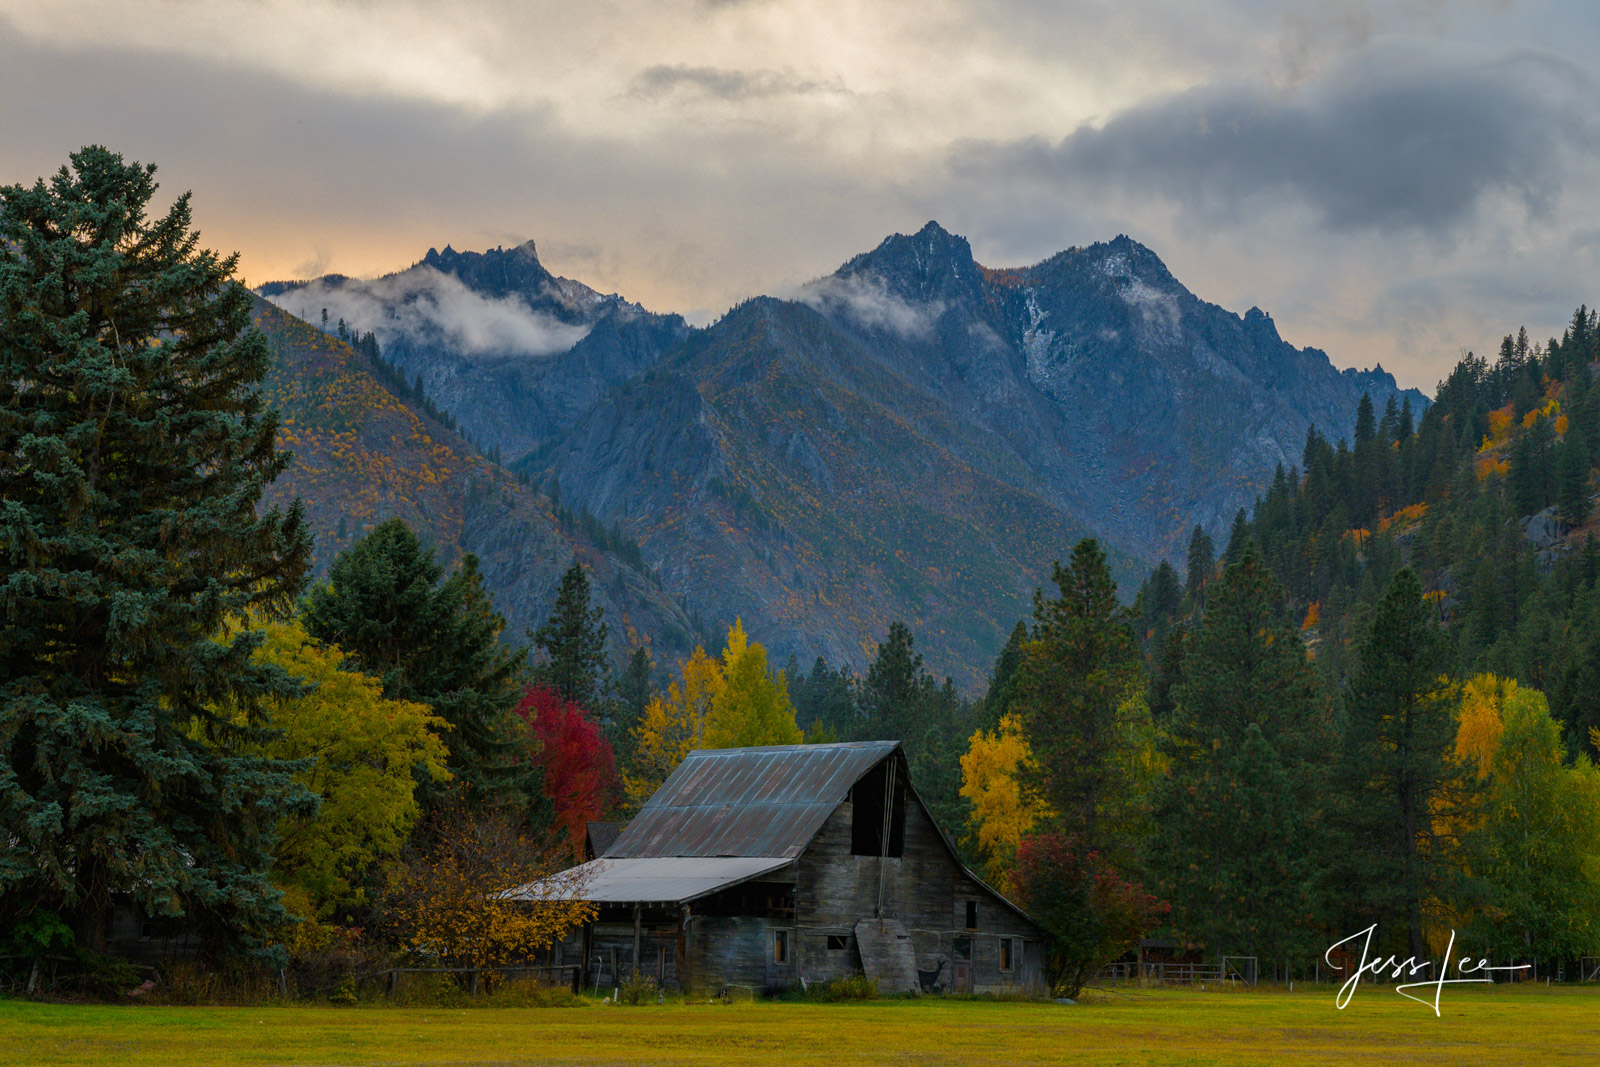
1389, 139
424, 301
1395, 194
723, 84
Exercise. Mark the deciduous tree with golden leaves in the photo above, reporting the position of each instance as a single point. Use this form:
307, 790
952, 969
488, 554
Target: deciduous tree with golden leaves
458, 902
733, 701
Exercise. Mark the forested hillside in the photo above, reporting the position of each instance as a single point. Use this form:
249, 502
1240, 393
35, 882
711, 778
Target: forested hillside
367, 449
1376, 704
1488, 497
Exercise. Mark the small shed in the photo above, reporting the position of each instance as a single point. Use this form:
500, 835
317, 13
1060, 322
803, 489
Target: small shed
766, 868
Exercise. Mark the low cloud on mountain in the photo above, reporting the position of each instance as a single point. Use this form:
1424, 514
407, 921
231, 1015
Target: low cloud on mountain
423, 301
867, 300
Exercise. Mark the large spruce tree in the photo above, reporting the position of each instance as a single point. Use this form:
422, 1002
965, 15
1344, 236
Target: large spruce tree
436, 640
1248, 741
573, 640
1081, 665
133, 452
1394, 772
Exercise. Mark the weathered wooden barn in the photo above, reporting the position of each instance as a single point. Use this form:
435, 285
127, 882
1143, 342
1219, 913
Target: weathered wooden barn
765, 868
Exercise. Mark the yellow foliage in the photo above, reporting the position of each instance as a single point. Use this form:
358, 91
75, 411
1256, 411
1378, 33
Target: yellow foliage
366, 755
1404, 517
1479, 722
1562, 422
1499, 426
734, 701
451, 904
673, 725
1313, 615
752, 707
1359, 535
1002, 814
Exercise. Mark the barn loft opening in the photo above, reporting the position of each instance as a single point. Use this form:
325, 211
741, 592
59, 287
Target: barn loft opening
867, 799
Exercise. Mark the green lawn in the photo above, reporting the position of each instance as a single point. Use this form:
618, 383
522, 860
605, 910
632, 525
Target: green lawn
1167, 1027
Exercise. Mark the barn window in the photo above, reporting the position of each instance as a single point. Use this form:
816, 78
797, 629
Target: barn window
780, 946
972, 915
838, 942
866, 821
1006, 957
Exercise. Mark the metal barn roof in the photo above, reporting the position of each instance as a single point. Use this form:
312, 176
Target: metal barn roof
660, 880
603, 834
747, 802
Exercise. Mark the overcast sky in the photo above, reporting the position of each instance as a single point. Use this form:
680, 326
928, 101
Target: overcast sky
1392, 182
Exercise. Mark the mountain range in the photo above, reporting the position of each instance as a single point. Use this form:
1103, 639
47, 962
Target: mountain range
366, 451
915, 436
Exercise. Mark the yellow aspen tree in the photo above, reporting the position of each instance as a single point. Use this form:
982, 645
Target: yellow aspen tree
752, 707
673, 725
1002, 813
1479, 721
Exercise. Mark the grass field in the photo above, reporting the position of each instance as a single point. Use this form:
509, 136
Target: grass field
1170, 1027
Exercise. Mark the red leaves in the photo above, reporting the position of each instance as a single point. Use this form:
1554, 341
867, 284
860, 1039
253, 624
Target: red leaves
580, 770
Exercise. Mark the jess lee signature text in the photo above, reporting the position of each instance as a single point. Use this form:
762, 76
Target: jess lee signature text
1410, 968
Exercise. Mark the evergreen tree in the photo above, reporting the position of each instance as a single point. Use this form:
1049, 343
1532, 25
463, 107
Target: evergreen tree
1160, 600
1249, 737
1394, 769
1366, 422
824, 701
1003, 679
1080, 668
893, 694
1532, 469
898, 700
573, 640
434, 642
1238, 537
633, 696
1572, 480
1202, 564
134, 450
1166, 672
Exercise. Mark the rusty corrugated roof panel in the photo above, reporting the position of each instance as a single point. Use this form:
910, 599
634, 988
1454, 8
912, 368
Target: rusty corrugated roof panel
655, 880
754, 802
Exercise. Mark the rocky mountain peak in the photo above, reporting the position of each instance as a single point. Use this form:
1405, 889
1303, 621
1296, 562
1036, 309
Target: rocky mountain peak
497, 272
931, 264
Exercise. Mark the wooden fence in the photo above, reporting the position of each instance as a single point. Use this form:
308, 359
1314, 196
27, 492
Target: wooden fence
565, 974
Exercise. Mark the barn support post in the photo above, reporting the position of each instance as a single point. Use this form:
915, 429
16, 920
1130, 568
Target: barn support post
586, 945
888, 826
638, 922
684, 971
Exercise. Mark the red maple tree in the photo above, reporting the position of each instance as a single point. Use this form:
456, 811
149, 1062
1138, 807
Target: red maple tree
580, 769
